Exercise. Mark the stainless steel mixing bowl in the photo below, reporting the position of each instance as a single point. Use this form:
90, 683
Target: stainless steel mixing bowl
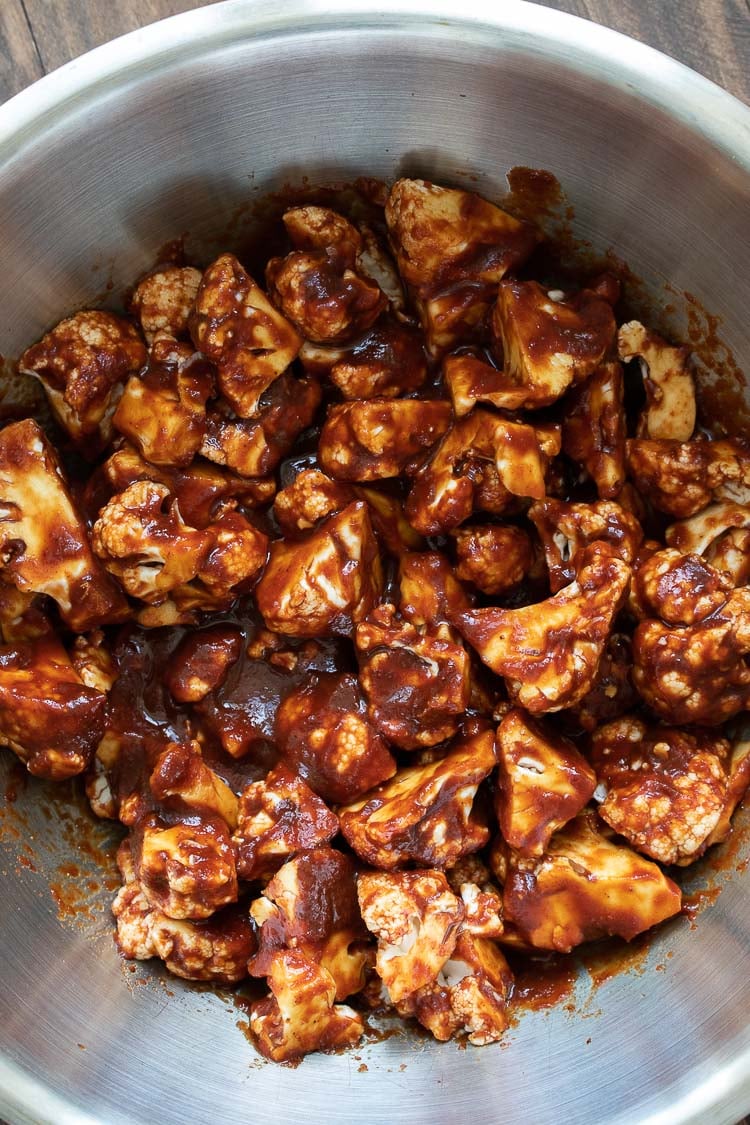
172, 129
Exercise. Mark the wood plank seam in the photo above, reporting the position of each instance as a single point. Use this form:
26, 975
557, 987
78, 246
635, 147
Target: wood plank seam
32, 33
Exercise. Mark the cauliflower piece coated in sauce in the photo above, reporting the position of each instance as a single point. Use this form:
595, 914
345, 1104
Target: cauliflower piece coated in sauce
44, 545
699, 673
186, 869
253, 447
416, 918
378, 438
83, 364
143, 540
324, 733
593, 429
164, 299
452, 248
234, 324
278, 817
324, 583
547, 344
320, 285
682, 478
428, 591
48, 715
665, 788
481, 464
426, 814
214, 949
416, 679
181, 781
493, 557
163, 410
469, 996
670, 391
582, 888
566, 529
680, 589
313, 949
549, 653
543, 782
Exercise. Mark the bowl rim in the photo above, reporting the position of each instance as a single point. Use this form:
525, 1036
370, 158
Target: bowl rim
598, 51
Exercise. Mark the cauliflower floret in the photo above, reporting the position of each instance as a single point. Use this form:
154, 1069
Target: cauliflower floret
201, 490
738, 779
612, 693
471, 380
310, 906
452, 248
493, 557
543, 782
201, 661
387, 361
312, 227
426, 813
48, 716
472, 881
181, 781
132, 913
701, 532
324, 583
415, 917
215, 949
186, 870
567, 529
164, 299
665, 789
254, 447
163, 412
481, 464
300, 1015
469, 995
548, 344
389, 521
234, 324
278, 817
44, 547
378, 438
309, 499
549, 653
428, 590
143, 540
670, 391
583, 888
696, 674
321, 288
681, 478
680, 589
416, 680
93, 661
82, 365
23, 616
593, 430
730, 555
323, 732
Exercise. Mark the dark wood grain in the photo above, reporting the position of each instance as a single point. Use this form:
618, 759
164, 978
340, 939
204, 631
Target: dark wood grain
67, 28
712, 36
20, 63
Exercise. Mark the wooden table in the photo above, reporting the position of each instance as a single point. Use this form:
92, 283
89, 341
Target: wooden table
712, 36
